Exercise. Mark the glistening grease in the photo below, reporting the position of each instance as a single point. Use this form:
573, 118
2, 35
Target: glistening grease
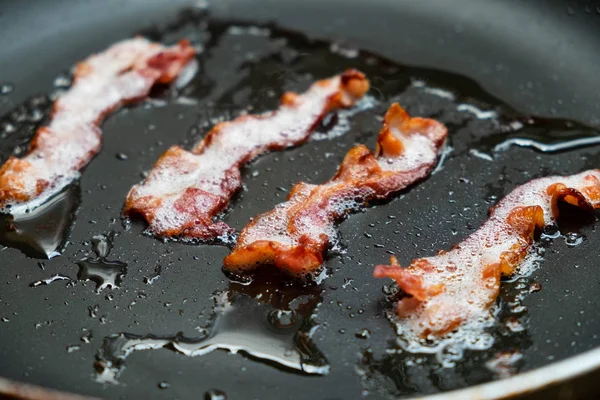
295, 234
185, 190
455, 290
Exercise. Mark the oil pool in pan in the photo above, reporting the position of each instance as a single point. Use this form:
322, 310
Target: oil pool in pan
142, 295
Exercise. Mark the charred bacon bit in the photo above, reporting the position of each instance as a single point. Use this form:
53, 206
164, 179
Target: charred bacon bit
459, 286
185, 190
122, 74
295, 234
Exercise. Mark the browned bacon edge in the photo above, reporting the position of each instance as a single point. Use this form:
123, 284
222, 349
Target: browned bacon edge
188, 211
455, 287
43, 169
310, 213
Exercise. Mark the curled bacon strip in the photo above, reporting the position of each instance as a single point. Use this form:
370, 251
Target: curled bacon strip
295, 234
460, 285
185, 190
123, 73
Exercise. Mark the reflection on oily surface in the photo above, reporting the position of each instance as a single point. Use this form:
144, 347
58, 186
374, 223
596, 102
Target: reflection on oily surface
42, 231
433, 215
264, 320
105, 273
398, 372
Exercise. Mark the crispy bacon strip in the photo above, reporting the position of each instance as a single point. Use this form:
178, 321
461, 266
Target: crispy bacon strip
122, 74
460, 285
295, 234
185, 190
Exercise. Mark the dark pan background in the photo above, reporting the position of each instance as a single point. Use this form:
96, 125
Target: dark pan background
540, 57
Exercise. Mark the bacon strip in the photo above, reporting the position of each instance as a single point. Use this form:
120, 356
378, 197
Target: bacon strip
185, 190
295, 234
122, 74
459, 286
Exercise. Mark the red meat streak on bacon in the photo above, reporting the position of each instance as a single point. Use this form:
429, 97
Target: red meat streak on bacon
185, 190
459, 286
295, 234
124, 73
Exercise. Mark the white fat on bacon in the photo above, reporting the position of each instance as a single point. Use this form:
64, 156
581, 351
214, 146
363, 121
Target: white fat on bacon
123, 73
186, 189
295, 234
455, 290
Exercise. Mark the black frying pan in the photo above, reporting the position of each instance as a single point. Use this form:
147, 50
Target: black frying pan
539, 57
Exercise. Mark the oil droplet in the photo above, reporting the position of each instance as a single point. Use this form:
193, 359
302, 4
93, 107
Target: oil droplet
550, 232
215, 394
164, 385
93, 311
573, 239
363, 334
282, 319
280, 336
6, 88
48, 281
87, 337
41, 231
149, 280
106, 274
72, 348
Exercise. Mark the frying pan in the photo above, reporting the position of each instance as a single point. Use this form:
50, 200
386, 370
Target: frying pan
521, 59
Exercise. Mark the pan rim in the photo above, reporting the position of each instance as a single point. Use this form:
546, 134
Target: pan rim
26, 391
526, 382
520, 384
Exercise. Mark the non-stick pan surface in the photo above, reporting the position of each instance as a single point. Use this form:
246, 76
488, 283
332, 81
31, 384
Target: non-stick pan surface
539, 57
